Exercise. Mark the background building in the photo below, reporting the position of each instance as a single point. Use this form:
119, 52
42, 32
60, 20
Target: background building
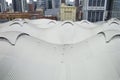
31, 7
41, 4
56, 3
49, 4
24, 5
3, 5
115, 13
78, 9
94, 10
52, 8
16, 5
19, 5
67, 13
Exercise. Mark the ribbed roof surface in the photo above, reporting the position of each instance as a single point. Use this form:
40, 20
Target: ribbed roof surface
59, 50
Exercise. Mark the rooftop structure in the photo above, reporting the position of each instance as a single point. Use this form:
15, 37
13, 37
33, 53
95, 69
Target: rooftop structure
46, 49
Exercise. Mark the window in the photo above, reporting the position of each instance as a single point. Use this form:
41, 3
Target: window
49, 4
98, 2
90, 2
101, 15
102, 2
94, 3
89, 15
95, 15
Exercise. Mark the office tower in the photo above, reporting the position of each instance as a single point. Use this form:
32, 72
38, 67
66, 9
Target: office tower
41, 4
56, 3
3, 5
109, 9
78, 8
52, 8
94, 10
49, 4
115, 9
19, 5
24, 5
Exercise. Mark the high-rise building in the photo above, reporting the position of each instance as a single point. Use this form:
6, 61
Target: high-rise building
67, 12
115, 13
78, 10
109, 9
50, 4
3, 5
94, 10
52, 8
41, 4
19, 5
24, 5
56, 3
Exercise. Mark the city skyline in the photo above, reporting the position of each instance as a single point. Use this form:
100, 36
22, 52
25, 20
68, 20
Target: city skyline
10, 1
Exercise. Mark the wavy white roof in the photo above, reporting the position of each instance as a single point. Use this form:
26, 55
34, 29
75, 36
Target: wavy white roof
54, 50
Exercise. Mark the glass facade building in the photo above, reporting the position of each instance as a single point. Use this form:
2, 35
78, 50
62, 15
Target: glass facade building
2, 5
116, 9
95, 15
96, 2
94, 10
41, 4
19, 5
50, 4
57, 3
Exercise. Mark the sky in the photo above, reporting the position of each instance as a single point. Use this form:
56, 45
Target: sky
71, 0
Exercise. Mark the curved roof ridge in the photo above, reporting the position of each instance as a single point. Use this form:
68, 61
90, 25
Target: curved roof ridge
110, 34
11, 36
